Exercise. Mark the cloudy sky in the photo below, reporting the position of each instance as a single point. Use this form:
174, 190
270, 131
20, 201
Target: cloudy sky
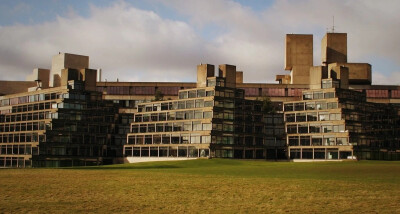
157, 40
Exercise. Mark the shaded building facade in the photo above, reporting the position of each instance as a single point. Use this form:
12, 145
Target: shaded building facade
68, 125
212, 120
67, 115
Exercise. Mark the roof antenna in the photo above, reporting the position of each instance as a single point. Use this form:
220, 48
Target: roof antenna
333, 24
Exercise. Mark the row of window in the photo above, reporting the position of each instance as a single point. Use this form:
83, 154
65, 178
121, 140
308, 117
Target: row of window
317, 141
322, 154
199, 103
16, 162
76, 116
30, 99
78, 139
170, 151
196, 93
171, 127
21, 149
193, 138
178, 115
168, 139
272, 92
316, 95
16, 127
314, 128
20, 138
312, 116
301, 106
32, 107
25, 117
139, 90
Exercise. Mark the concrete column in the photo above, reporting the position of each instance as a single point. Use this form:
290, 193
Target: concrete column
326, 153
313, 153
301, 153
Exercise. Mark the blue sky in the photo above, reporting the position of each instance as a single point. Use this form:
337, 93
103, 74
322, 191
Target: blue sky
157, 40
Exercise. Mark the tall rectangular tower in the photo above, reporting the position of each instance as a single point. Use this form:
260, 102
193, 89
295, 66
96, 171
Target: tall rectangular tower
299, 57
334, 48
65, 60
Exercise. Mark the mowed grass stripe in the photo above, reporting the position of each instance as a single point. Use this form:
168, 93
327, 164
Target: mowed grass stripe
210, 186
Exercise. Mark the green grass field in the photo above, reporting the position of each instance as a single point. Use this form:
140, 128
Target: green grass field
205, 186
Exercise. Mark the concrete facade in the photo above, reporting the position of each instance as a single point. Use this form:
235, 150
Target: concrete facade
299, 57
334, 48
254, 135
63, 61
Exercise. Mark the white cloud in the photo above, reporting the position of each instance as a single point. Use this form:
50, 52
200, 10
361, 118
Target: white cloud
127, 43
255, 41
140, 45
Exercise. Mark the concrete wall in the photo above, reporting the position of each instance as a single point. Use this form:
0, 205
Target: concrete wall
65, 60
13, 87
239, 76
317, 73
204, 71
340, 73
300, 74
334, 48
229, 72
298, 50
359, 73
151, 159
40, 74
89, 76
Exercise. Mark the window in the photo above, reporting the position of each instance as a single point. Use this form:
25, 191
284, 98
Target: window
293, 141
290, 117
316, 141
315, 129
207, 114
321, 105
332, 105
305, 140
318, 95
323, 116
192, 94
183, 95
310, 106
181, 105
291, 129
208, 103
199, 103
210, 93
201, 93
207, 126
190, 104
329, 95
288, 107
303, 129
312, 116
197, 126
307, 96
198, 114
300, 117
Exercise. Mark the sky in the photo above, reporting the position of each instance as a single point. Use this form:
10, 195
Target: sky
160, 40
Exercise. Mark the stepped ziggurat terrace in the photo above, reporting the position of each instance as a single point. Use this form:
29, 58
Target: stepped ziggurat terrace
67, 115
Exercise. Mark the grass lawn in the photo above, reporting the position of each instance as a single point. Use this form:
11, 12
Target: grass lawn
205, 186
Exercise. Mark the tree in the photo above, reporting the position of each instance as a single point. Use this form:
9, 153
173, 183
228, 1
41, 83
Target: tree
158, 96
267, 106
